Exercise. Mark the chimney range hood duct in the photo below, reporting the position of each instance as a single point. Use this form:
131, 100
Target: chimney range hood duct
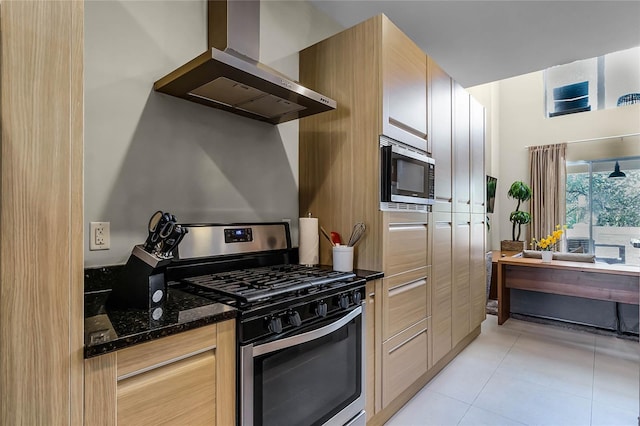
227, 77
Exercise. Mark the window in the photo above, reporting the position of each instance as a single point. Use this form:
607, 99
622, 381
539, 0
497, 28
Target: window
603, 213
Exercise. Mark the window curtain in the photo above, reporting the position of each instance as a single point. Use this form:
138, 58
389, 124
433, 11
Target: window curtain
547, 165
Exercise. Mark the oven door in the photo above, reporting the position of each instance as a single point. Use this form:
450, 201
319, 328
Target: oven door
315, 377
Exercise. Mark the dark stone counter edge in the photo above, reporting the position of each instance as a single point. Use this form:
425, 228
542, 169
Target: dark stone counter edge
125, 342
368, 275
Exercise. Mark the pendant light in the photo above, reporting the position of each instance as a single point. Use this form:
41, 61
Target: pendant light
616, 173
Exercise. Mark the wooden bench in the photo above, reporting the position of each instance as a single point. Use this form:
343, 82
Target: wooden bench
600, 281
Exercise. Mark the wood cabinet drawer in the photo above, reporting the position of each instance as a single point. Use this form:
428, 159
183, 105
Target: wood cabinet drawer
183, 392
158, 352
405, 360
405, 301
406, 247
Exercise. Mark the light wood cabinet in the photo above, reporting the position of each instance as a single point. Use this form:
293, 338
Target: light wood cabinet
404, 81
404, 360
373, 349
460, 291
384, 84
41, 206
186, 378
461, 150
339, 150
476, 143
477, 271
440, 119
442, 284
405, 301
406, 244
180, 392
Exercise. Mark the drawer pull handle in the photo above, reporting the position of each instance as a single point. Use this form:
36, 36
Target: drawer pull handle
165, 362
406, 287
407, 226
395, 348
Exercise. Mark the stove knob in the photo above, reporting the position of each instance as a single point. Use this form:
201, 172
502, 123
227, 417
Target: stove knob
275, 325
343, 301
321, 309
357, 297
294, 319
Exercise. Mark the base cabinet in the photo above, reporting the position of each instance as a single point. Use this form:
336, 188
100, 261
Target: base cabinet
187, 378
181, 392
405, 358
372, 351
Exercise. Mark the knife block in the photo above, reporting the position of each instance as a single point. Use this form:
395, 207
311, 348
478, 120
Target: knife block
142, 284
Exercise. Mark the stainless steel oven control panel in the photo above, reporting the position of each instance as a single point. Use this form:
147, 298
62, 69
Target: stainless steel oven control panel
207, 240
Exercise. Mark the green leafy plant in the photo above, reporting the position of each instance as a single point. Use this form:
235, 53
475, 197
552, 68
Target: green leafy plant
521, 192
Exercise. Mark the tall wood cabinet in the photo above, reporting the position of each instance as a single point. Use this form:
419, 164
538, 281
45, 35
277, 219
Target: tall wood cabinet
384, 84
440, 122
442, 269
460, 277
41, 206
461, 150
459, 285
404, 88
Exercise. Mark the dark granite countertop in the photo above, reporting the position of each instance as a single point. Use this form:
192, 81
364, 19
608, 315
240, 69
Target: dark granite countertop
107, 329
368, 275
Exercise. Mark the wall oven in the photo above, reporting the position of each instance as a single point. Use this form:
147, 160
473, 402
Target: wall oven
315, 376
406, 175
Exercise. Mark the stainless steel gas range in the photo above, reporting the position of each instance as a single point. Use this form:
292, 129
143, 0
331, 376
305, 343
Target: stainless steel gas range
300, 330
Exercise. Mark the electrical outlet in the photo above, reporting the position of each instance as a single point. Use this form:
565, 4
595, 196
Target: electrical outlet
99, 236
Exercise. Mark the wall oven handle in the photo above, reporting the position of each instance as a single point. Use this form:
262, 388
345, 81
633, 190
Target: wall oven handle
306, 337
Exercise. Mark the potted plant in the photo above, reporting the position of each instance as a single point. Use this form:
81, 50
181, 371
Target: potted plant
548, 243
521, 192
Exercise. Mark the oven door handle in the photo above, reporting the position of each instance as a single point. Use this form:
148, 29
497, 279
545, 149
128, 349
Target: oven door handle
306, 337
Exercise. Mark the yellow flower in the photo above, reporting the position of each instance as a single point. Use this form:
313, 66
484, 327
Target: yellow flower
550, 240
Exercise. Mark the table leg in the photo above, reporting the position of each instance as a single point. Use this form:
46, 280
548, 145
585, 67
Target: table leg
504, 296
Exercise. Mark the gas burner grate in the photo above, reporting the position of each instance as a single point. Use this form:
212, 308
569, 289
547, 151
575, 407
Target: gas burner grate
254, 284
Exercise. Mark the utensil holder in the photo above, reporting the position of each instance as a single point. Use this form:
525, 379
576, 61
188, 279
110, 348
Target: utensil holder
343, 258
142, 285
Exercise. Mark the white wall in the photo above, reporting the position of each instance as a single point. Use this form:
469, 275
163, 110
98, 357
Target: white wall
517, 121
146, 151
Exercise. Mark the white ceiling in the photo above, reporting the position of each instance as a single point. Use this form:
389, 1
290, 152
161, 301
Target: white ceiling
478, 42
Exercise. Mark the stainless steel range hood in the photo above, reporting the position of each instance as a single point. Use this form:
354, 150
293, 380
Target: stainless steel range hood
227, 77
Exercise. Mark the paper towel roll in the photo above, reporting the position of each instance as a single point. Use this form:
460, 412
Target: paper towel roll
309, 241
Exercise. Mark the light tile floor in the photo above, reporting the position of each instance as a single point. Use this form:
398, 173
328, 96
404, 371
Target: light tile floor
524, 373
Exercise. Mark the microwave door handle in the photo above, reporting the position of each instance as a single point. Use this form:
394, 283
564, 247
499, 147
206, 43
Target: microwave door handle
306, 337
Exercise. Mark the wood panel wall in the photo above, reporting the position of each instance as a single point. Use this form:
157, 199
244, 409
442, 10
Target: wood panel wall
41, 212
339, 166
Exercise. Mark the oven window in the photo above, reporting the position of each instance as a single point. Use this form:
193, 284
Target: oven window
410, 176
309, 383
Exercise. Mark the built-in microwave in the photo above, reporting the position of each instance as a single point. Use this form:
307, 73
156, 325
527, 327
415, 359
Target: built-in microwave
406, 175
